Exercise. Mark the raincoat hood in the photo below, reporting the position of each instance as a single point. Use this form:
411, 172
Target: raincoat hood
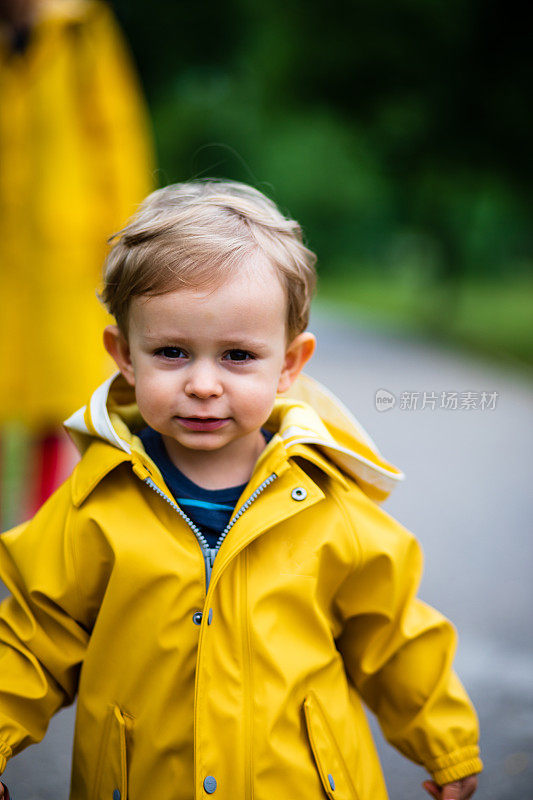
306, 416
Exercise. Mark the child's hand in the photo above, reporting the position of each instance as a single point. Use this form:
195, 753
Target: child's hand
458, 790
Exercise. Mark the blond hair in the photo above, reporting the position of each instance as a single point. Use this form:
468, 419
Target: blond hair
199, 233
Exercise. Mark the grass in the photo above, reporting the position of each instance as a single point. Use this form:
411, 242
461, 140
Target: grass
492, 317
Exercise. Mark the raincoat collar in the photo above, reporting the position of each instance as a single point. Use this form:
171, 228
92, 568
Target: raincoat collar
309, 421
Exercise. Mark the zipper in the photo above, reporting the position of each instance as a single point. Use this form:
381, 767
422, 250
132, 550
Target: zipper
210, 553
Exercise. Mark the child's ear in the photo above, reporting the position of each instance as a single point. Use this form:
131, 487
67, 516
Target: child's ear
118, 348
297, 355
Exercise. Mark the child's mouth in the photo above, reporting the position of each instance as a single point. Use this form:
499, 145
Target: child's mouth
202, 423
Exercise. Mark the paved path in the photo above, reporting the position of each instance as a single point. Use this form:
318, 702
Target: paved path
468, 498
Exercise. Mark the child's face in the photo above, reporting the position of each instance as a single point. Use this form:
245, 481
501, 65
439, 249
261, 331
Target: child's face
207, 364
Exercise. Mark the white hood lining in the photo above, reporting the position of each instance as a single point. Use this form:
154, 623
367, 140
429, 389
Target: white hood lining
99, 417
366, 469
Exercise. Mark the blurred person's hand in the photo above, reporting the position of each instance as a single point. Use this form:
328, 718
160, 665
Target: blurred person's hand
4, 792
457, 790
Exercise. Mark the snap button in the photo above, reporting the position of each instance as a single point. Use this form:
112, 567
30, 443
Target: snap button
197, 617
210, 784
299, 493
116, 794
210, 616
331, 782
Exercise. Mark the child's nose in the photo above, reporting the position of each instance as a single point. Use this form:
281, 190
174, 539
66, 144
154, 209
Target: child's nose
202, 381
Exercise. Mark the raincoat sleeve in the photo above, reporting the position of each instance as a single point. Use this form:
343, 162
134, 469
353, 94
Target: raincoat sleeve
398, 651
44, 624
116, 116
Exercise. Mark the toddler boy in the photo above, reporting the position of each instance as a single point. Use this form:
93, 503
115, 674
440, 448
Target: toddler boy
216, 582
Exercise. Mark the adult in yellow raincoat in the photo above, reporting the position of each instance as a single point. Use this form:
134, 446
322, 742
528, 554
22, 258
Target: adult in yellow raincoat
75, 160
247, 679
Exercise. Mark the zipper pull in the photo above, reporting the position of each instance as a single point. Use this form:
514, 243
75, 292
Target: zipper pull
209, 558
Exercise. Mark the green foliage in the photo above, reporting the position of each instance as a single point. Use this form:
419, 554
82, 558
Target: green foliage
490, 317
322, 173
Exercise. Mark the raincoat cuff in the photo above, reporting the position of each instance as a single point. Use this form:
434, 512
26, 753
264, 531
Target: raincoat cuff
455, 766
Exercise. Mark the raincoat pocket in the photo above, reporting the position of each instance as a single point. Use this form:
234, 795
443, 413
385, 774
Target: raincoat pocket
332, 769
112, 771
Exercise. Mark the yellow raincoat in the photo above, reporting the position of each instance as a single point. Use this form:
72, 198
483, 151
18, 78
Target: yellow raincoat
247, 679
75, 160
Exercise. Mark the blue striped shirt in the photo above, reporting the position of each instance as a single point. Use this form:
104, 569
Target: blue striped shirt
209, 509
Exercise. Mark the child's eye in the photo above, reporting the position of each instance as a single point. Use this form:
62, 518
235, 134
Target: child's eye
171, 352
238, 355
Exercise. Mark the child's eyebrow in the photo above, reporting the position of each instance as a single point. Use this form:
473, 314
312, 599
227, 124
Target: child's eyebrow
243, 342
236, 342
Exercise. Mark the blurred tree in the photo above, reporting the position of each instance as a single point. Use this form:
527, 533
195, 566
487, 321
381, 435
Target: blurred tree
373, 121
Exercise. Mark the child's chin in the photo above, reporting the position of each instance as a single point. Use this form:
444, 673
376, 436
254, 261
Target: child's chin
203, 442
